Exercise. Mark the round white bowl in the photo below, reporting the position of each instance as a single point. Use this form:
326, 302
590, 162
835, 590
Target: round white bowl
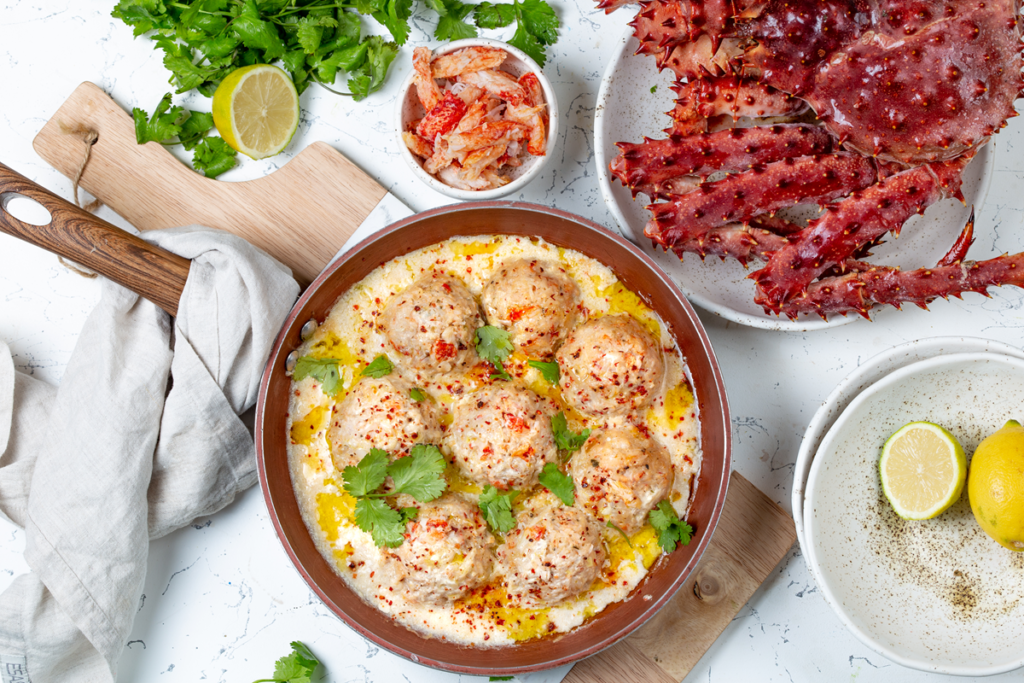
937, 595
517, 63
872, 370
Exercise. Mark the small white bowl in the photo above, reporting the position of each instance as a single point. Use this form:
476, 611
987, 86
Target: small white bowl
937, 595
517, 63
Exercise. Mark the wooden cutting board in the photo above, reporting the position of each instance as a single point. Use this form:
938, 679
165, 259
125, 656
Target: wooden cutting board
302, 214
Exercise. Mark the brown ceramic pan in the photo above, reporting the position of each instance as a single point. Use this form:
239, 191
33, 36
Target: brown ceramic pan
160, 276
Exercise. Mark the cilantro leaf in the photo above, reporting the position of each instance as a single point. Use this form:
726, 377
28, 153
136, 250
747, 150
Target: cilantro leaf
409, 514
370, 75
490, 15
565, 438
540, 21
559, 484
297, 667
497, 508
528, 43
257, 34
501, 678
309, 34
494, 345
213, 156
670, 528
368, 474
452, 25
325, 370
165, 123
549, 371
417, 394
420, 473
194, 128
381, 521
380, 367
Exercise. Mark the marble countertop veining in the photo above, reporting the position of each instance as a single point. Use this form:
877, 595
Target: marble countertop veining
221, 600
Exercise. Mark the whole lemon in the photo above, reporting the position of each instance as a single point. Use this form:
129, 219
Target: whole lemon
995, 485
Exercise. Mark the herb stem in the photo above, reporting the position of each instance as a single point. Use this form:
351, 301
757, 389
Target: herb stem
202, 11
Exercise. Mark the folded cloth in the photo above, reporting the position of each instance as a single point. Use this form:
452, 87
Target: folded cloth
141, 437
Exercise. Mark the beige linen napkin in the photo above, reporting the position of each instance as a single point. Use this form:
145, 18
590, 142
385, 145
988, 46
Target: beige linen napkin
141, 437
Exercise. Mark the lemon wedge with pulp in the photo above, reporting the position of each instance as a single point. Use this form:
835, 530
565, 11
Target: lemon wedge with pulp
923, 468
996, 485
256, 110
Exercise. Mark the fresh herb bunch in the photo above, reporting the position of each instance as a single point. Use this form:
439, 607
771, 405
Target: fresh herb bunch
314, 40
419, 474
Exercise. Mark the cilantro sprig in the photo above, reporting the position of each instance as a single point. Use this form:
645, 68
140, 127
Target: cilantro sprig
419, 474
297, 667
565, 438
559, 484
324, 370
211, 155
670, 528
494, 345
549, 371
497, 508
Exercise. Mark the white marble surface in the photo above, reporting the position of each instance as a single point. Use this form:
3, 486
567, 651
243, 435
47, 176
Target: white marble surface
221, 600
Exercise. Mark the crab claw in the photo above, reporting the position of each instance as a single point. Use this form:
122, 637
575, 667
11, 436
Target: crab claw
958, 252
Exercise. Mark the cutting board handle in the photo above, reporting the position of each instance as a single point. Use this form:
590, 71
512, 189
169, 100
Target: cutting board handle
76, 234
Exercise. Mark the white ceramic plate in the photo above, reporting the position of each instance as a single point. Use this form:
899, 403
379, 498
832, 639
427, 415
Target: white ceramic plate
938, 595
627, 110
874, 369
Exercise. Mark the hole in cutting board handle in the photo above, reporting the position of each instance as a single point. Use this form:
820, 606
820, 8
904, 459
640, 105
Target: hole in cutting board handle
25, 209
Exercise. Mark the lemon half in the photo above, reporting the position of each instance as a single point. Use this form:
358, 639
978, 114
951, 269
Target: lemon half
923, 468
996, 486
256, 110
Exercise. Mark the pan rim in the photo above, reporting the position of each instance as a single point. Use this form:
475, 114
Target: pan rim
623, 630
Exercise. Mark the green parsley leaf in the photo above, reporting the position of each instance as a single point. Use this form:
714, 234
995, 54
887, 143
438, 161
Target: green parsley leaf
310, 32
417, 394
490, 15
669, 527
384, 524
452, 25
494, 345
559, 484
257, 34
497, 508
368, 474
213, 156
194, 128
297, 667
549, 371
612, 525
164, 124
565, 438
540, 20
370, 75
324, 370
419, 474
654, 89
394, 15
380, 367
528, 43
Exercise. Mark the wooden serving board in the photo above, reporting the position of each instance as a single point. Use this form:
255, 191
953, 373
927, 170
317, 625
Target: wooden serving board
302, 214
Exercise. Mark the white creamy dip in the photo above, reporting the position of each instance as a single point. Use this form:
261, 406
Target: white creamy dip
487, 615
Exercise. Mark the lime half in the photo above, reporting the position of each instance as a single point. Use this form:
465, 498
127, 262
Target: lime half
256, 110
923, 469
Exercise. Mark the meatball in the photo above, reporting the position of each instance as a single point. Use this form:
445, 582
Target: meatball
620, 475
379, 413
535, 301
432, 325
552, 555
610, 366
447, 552
501, 435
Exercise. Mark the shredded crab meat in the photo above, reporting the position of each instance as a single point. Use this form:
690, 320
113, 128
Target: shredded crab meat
480, 122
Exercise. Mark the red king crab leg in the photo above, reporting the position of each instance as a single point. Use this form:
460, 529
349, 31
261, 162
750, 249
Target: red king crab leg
763, 189
846, 225
646, 166
703, 99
